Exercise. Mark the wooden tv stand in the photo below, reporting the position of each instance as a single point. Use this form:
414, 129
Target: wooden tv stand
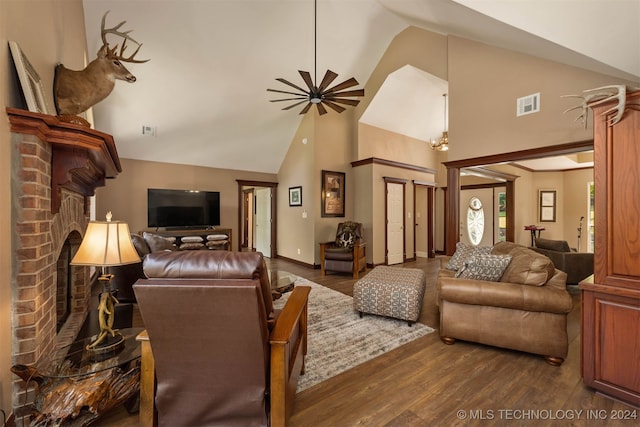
201, 232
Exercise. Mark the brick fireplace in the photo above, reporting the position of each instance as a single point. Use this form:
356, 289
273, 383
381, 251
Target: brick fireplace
55, 167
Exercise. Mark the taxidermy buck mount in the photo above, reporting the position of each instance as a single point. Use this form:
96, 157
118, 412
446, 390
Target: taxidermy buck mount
76, 91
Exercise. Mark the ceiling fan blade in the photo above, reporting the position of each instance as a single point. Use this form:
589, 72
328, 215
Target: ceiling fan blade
329, 76
344, 85
290, 93
294, 105
291, 84
302, 99
335, 107
346, 101
306, 108
321, 108
357, 92
307, 79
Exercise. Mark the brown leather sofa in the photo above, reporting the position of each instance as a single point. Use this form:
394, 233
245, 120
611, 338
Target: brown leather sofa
526, 310
220, 353
577, 265
345, 254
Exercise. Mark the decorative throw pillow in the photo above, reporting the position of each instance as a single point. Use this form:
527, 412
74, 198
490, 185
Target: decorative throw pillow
140, 244
485, 267
528, 268
346, 239
157, 243
191, 239
213, 237
463, 252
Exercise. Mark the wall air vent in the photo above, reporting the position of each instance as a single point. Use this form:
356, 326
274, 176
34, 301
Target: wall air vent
149, 130
528, 104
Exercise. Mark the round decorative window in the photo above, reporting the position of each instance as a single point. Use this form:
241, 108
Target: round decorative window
475, 221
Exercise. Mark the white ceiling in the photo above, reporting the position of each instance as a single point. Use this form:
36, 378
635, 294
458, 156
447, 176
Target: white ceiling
212, 61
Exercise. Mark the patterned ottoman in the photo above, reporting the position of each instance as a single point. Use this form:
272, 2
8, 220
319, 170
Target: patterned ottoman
390, 291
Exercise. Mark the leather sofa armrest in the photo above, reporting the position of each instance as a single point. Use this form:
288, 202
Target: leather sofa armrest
288, 348
506, 295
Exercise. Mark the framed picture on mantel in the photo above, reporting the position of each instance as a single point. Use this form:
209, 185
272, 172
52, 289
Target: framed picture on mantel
29, 81
333, 184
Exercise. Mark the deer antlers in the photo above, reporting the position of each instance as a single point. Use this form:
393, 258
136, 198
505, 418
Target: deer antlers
593, 97
125, 36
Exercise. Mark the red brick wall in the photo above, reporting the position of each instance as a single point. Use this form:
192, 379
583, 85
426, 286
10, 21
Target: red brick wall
39, 237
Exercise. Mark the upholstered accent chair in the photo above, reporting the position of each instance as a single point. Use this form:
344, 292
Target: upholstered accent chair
215, 352
347, 253
577, 265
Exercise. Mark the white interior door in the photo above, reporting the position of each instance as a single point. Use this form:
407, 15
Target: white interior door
263, 221
395, 223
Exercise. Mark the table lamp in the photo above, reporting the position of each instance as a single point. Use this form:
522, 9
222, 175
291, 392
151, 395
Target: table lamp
106, 243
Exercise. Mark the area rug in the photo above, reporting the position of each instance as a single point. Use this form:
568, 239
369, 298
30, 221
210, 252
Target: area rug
338, 339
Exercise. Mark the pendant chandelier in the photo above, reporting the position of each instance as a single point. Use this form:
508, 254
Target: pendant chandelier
443, 143
320, 95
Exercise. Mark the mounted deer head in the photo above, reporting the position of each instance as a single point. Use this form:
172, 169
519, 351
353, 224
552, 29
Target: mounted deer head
77, 91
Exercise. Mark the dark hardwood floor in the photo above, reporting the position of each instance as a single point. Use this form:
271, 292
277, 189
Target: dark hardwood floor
428, 383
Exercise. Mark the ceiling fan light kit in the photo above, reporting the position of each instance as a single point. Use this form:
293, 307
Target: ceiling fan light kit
321, 96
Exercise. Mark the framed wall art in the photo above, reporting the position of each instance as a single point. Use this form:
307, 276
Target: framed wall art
29, 81
295, 196
547, 205
333, 184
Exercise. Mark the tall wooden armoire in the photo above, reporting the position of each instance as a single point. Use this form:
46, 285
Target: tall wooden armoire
611, 297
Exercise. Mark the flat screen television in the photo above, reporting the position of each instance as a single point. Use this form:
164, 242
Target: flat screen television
175, 209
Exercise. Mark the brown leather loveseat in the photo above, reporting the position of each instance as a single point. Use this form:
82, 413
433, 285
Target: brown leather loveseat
525, 310
220, 353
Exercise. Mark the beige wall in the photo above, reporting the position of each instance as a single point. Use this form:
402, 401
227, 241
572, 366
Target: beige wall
424, 50
384, 144
333, 152
576, 204
364, 202
572, 199
298, 169
484, 83
126, 196
48, 32
376, 245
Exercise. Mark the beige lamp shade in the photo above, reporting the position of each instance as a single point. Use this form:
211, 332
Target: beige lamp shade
106, 243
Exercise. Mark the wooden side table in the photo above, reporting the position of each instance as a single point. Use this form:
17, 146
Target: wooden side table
533, 229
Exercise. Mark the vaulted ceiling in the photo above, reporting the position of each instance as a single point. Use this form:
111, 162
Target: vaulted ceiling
203, 94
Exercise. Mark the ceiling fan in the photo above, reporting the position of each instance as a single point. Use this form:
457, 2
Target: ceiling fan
321, 95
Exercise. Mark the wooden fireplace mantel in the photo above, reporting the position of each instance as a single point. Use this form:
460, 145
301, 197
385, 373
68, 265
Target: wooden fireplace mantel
81, 157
